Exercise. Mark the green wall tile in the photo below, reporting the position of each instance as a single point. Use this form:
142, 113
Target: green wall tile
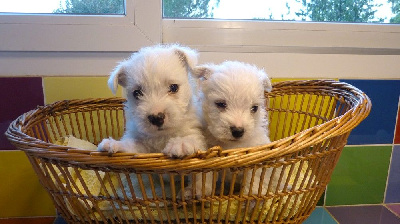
66, 88
21, 194
360, 176
321, 200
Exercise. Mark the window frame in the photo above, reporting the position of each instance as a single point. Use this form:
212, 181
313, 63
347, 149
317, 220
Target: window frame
83, 33
92, 45
284, 37
295, 49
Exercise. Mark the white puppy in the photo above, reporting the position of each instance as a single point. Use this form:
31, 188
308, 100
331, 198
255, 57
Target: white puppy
233, 105
160, 114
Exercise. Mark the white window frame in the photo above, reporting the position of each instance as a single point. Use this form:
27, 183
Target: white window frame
280, 36
48, 45
295, 49
83, 33
78, 45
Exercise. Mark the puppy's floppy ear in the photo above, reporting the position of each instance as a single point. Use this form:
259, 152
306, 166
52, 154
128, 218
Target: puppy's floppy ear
202, 72
187, 56
118, 76
265, 80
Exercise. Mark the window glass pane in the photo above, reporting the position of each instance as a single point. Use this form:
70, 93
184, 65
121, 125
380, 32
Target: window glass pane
97, 7
359, 11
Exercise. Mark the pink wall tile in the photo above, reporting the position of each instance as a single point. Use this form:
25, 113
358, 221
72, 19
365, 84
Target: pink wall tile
397, 131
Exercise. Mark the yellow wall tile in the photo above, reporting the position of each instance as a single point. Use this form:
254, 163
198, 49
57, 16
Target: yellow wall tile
21, 194
298, 113
274, 80
67, 88
285, 123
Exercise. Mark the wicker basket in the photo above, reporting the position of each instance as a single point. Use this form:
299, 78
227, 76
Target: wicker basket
310, 122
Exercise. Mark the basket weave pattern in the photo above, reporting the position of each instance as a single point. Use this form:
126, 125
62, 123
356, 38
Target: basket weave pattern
310, 122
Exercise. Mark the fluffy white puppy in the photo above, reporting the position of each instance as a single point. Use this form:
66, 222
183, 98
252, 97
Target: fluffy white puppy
160, 114
234, 114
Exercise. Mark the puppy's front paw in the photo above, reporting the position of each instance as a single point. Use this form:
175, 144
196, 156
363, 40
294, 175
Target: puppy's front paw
109, 145
179, 147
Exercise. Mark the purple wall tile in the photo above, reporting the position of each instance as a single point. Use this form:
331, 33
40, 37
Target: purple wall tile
17, 96
363, 214
378, 127
395, 208
393, 186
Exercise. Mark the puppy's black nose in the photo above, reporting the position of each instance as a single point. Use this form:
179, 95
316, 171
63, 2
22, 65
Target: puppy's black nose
237, 132
157, 120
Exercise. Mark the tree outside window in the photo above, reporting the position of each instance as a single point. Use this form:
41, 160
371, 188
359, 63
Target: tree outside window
307, 10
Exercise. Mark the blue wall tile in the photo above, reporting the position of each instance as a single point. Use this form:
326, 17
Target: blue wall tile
320, 216
378, 127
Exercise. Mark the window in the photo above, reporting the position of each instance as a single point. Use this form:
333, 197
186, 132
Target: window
354, 11
88, 7
26, 6
75, 45
275, 36
286, 48
61, 44
80, 32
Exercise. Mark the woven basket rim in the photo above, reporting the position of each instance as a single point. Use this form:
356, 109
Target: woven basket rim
201, 159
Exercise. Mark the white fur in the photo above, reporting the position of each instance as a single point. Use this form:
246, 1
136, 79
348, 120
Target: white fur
241, 87
153, 70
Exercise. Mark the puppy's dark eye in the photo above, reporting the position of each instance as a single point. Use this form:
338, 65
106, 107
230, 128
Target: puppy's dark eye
173, 88
137, 94
221, 105
254, 109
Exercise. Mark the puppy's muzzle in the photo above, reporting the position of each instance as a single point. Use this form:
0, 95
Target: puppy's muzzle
237, 132
157, 120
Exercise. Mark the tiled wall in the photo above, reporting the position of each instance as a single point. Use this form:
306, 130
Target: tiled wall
368, 171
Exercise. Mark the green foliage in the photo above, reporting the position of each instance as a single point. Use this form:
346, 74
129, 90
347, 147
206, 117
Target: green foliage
171, 8
395, 11
395, 19
92, 7
188, 8
338, 10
